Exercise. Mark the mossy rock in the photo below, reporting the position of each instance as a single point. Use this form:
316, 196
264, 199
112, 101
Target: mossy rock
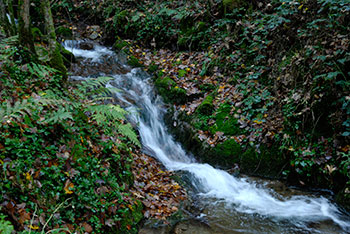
64, 32
134, 62
67, 56
225, 121
343, 198
206, 107
119, 44
227, 153
268, 162
169, 90
57, 63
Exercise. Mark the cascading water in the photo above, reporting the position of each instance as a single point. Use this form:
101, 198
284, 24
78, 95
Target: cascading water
237, 205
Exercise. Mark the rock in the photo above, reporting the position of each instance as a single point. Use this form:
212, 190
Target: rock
94, 36
94, 32
86, 46
192, 227
159, 230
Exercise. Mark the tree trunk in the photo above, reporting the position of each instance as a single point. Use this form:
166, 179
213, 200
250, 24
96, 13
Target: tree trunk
12, 17
25, 33
4, 21
55, 56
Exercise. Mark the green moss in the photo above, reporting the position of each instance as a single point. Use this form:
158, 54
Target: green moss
343, 197
201, 26
225, 122
64, 32
134, 62
207, 87
168, 89
57, 63
268, 162
206, 107
152, 68
67, 56
227, 153
200, 121
130, 219
119, 44
37, 34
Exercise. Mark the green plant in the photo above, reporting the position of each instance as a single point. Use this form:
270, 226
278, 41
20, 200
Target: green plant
5, 226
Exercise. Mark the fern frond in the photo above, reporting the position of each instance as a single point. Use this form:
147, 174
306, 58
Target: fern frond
18, 110
40, 70
96, 82
128, 131
60, 115
9, 40
102, 113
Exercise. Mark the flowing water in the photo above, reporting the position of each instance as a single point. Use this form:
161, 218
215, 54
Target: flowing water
229, 204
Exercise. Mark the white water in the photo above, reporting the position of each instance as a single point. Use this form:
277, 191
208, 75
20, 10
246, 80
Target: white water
246, 197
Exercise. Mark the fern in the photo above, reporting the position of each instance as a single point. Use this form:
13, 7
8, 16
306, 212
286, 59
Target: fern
40, 70
17, 111
127, 130
58, 116
8, 48
63, 108
94, 87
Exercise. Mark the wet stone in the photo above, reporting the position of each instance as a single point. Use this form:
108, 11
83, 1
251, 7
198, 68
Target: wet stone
86, 46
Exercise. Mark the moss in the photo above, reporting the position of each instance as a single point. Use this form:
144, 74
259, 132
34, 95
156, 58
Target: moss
268, 162
225, 122
64, 32
206, 107
57, 63
152, 68
119, 44
201, 26
170, 92
207, 87
134, 62
37, 34
227, 153
343, 198
130, 219
67, 56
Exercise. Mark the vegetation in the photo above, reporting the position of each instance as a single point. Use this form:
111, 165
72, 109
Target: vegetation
62, 165
68, 157
259, 84
281, 67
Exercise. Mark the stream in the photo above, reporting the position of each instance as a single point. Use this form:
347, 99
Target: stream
228, 204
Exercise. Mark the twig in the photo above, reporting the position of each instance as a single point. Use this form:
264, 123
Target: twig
57, 208
59, 229
32, 220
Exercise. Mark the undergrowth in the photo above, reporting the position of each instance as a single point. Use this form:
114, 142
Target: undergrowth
65, 153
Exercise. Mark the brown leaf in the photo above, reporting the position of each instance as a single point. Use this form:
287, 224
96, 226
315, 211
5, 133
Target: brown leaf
87, 227
23, 216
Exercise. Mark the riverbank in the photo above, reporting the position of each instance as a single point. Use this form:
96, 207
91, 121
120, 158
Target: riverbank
249, 88
71, 162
